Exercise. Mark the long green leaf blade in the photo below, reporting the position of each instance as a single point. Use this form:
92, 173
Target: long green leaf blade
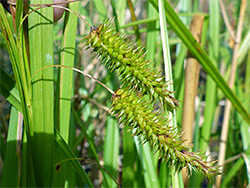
177, 181
11, 171
65, 76
111, 151
146, 159
62, 147
41, 54
8, 89
199, 53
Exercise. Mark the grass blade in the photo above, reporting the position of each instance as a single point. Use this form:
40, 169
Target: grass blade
65, 76
11, 171
177, 180
16, 61
128, 172
91, 144
64, 150
64, 88
111, 151
41, 54
228, 177
199, 53
9, 90
244, 48
101, 9
244, 129
148, 167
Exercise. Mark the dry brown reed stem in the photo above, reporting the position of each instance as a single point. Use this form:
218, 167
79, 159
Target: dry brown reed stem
224, 132
226, 20
133, 17
192, 71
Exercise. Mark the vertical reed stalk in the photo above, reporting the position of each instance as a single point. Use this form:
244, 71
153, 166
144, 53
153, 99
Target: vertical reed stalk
224, 132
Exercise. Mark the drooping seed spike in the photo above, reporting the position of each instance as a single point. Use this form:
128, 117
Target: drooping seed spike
129, 62
134, 103
137, 115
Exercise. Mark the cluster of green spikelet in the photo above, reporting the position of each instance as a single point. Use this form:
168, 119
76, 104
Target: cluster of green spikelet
134, 103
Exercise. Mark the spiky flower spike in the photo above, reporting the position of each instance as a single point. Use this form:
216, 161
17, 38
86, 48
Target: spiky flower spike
118, 53
130, 104
135, 111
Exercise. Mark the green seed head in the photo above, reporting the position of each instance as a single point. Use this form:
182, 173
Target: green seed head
129, 62
151, 126
142, 89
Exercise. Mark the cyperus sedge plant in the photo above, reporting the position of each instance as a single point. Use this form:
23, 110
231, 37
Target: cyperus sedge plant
134, 103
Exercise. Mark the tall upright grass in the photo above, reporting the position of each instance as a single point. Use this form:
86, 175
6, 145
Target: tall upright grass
58, 131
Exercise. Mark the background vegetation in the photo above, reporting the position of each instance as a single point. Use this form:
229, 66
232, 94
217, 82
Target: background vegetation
65, 135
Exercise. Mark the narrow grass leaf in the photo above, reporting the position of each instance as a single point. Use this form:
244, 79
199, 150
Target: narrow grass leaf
27, 169
41, 54
121, 11
15, 60
19, 13
139, 22
244, 48
65, 76
234, 170
210, 85
111, 151
139, 173
198, 52
11, 171
245, 96
164, 176
211, 88
101, 9
128, 171
152, 33
176, 179
64, 150
148, 167
16, 57
91, 144
9, 90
